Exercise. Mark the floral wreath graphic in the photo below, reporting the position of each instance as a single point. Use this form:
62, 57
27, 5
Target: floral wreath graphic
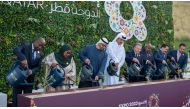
153, 100
134, 26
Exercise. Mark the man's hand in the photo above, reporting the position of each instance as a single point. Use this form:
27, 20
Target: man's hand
180, 71
148, 62
117, 65
96, 78
53, 65
164, 62
172, 59
87, 61
29, 72
136, 60
24, 63
68, 75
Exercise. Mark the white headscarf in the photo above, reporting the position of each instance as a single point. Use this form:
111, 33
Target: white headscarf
115, 51
103, 41
122, 36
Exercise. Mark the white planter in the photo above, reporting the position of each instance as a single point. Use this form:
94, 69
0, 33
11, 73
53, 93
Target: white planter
3, 100
186, 75
188, 67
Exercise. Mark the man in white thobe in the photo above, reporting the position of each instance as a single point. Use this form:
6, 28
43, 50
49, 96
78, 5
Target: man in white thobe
116, 52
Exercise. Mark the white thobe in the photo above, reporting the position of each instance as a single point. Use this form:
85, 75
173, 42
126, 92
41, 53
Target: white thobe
117, 54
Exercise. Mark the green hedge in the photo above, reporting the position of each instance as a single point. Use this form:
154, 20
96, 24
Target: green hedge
21, 23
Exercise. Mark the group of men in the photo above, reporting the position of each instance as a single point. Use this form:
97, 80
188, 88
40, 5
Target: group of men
99, 56
159, 60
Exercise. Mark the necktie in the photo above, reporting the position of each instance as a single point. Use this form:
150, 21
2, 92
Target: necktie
33, 54
136, 55
178, 56
164, 56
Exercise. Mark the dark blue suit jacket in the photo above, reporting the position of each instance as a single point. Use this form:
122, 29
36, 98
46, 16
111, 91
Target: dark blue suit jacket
23, 52
131, 55
97, 58
182, 62
147, 56
159, 57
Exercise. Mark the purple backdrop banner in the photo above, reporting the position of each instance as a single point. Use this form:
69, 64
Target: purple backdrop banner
171, 93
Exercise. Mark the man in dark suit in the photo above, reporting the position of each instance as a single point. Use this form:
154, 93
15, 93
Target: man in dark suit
160, 57
135, 55
132, 57
148, 61
180, 57
29, 56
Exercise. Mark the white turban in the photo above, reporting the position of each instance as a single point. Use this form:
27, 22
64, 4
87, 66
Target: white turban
121, 35
103, 41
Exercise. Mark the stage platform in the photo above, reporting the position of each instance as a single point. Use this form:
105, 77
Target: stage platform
166, 93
